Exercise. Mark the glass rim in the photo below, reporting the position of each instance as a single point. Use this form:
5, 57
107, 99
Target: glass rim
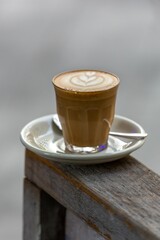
85, 70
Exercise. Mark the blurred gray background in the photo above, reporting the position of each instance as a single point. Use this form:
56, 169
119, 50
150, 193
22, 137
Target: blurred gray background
39, 39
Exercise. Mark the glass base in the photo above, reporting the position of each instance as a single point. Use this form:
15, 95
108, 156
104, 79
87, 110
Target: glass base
85, 150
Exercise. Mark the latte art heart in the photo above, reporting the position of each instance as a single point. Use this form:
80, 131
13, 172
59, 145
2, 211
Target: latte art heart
86, 81
89, 79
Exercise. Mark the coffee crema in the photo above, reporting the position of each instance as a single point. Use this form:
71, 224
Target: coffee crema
85, 81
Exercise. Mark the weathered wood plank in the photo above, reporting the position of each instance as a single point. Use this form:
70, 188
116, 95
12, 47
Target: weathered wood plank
52, 218
120, 200
77, 229
31, 212
43, 217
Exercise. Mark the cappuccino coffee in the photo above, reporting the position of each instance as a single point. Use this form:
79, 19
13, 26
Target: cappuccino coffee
85, 106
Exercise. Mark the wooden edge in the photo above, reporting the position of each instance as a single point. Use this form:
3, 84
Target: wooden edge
104, 216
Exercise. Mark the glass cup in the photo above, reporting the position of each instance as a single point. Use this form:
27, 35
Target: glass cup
86, 107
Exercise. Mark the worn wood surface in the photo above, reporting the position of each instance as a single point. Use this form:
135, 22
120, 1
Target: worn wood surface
52, 217
31, 212
43, 217
77, 229
120, 200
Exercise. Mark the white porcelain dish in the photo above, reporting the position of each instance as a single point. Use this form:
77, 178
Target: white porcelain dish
44, 138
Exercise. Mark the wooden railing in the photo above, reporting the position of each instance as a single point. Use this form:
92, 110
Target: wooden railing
118, 200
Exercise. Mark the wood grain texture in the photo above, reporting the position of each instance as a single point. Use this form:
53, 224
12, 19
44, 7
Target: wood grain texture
31, 212
52, 217
77, 229
120, 200
43, 217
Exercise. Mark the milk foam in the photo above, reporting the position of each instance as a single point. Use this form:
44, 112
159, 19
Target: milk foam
85, 81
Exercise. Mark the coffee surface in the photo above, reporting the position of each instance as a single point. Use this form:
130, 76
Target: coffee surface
86, 81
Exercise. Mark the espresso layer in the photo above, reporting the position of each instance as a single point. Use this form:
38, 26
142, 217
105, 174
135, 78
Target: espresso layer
85, 81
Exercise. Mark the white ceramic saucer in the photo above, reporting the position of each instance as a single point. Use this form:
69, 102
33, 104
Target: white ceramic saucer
44, 138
